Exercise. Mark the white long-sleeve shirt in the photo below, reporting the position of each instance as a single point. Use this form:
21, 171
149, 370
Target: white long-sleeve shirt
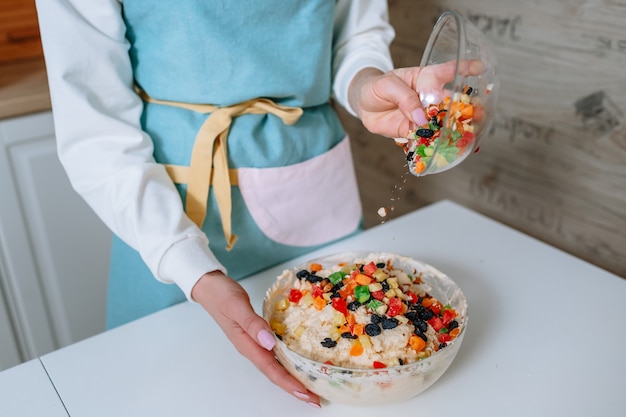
109, 158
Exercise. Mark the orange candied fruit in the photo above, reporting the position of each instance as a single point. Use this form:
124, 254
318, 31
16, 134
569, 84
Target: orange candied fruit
419, 166
347, 289
417, 343
315, 267
362, 279
319, 303
358, 329
356, 350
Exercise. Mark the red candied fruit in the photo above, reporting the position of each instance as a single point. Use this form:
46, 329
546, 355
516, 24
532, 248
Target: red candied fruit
295, 295
436, 323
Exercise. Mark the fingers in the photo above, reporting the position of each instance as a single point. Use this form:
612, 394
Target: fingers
472, 67
389, 106
265, 362
413, 89
430, 80
253, 338
404, 97
229, 305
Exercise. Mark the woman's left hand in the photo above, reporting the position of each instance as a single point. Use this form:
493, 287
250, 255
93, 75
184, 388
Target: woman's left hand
229, 305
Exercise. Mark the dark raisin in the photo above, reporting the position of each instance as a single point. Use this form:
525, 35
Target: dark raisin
385, 285
303, 274
372, 329
338, 286
424, 313
314, 278
411, 315
400, 361
410, 155
425, 133
453, 325
348, 335
328, 343
376, 318
420, 334
335, 295
442, 345
381, 265
421, 325
354, 305
469, 90
390, 323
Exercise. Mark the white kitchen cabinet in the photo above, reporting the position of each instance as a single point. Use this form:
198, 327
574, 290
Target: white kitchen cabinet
9, 350
54, 251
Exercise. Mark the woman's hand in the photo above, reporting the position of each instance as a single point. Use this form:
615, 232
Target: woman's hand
388, 104
229, 305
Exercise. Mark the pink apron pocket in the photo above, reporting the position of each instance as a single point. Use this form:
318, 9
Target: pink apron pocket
305, 204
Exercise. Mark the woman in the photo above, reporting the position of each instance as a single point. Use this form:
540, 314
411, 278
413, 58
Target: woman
201, 133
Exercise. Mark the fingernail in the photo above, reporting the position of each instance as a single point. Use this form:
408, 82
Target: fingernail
266, 339
419, 117
312, 404
301, 395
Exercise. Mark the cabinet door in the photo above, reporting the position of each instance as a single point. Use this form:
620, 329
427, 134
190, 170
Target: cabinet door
55, 251
9, 352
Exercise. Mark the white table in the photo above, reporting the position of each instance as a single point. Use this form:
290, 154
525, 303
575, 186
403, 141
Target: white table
26, 391
545, 338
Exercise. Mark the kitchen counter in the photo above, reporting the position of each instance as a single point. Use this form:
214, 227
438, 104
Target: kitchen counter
26, 391
23, 88
544, 337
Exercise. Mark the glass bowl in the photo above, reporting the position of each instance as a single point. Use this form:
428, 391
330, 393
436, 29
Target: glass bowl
461, 110
358, 385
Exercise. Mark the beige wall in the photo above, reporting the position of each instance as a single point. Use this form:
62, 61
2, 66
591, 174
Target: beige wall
554, 165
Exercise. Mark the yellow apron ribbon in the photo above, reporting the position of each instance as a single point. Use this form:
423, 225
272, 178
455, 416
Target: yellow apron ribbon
209, 161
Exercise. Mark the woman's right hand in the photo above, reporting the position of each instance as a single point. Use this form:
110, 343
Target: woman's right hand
389, 104
229, 305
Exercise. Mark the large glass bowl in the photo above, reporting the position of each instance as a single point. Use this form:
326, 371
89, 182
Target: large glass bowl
362, 387
459, 111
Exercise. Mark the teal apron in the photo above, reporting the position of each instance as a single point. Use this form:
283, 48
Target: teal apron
225, 52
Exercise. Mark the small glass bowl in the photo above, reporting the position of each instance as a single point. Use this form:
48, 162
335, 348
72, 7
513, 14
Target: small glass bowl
461, 111
365, 387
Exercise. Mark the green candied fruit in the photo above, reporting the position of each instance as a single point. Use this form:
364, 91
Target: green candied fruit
450, 153
455, 135
336, 277
362, 293
375, 304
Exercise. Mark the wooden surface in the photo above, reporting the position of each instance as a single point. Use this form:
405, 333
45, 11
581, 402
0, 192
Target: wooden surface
23, 83
23, 88
554, 165
19, 31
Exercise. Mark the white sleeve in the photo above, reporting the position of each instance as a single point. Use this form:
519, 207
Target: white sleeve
362, 36
107, 156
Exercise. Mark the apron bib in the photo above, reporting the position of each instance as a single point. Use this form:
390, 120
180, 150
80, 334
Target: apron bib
291, 184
